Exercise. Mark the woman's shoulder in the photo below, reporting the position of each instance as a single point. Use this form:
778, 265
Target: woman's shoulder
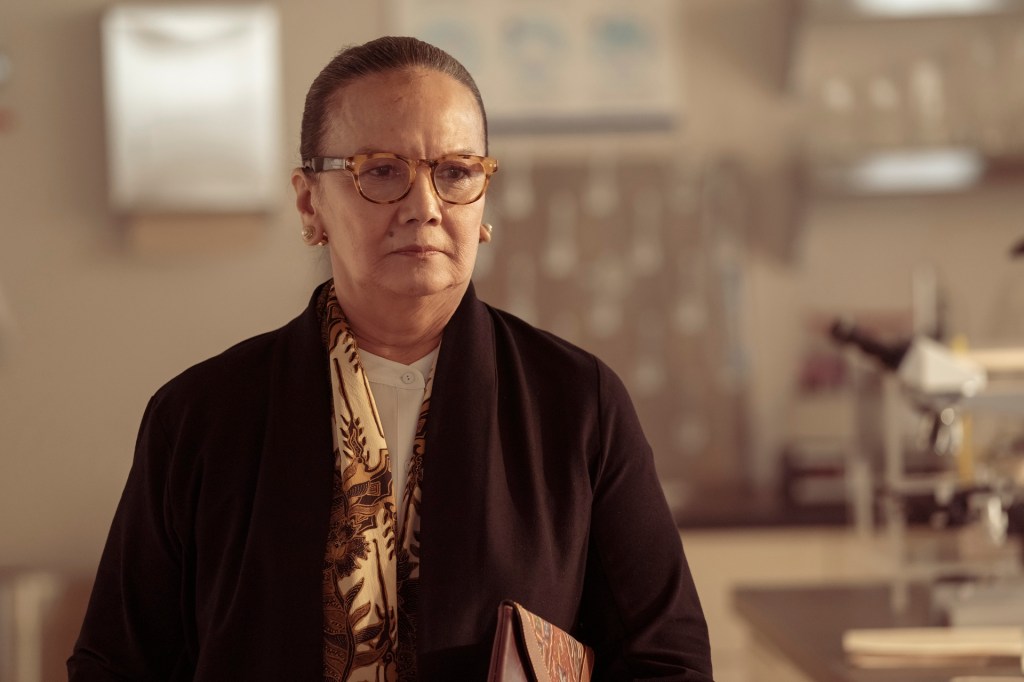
243, 359
243, 376
246, 369
232, 376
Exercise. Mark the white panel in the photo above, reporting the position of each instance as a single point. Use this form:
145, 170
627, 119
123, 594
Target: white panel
192, 96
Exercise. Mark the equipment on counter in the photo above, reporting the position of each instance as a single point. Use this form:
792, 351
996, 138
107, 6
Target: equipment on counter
935, 379
972, 499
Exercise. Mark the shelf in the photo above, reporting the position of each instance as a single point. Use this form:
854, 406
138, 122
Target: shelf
911, 102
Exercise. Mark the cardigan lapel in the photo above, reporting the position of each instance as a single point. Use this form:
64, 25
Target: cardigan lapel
461, 433
292, 503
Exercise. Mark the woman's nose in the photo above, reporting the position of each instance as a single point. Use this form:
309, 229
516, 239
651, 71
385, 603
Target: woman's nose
422, 204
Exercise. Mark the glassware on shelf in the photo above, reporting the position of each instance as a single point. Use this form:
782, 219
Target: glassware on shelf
486, 257
647, 248
649, 374
690, 315
561, 252
601, 194
984, 64
885, 117
518, 197
1006, 86
610, 284
833, 116
1013, 114
927, 90
521, 294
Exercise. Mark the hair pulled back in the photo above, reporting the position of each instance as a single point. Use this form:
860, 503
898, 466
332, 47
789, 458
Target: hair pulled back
388, 53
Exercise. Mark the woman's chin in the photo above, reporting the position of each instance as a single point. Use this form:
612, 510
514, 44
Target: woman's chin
422, 284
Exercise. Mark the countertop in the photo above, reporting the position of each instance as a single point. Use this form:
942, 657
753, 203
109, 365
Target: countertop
806, 624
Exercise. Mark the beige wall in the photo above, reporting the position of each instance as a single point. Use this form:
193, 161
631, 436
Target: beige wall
103, 313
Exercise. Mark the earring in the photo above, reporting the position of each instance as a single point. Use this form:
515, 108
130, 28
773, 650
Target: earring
307, 233
488, 229
323, 240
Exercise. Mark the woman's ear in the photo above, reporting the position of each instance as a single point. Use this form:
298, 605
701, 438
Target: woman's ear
303, 186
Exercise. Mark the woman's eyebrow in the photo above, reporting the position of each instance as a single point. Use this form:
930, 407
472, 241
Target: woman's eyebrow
463, 151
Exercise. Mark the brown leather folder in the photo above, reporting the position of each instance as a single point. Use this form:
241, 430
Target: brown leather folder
527, 648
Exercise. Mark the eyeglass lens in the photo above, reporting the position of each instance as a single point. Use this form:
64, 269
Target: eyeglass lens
386, 179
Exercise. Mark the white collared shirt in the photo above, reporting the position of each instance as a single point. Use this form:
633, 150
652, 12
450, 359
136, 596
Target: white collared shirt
398, 393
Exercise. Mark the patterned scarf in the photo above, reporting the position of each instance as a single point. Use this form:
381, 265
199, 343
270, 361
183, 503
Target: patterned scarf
371, 565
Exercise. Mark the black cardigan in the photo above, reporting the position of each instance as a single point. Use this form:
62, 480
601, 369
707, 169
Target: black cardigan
538, 486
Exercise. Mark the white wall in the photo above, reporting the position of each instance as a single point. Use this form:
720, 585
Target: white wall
859, 255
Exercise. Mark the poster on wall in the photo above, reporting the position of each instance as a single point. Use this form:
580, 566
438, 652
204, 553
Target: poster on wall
574, 65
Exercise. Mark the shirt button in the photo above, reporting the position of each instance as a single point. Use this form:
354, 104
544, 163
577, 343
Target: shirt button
408, 378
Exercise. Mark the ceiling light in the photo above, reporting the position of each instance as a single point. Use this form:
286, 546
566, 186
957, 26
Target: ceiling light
909, 8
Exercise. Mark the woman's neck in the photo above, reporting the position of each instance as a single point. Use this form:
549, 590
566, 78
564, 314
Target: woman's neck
400, 329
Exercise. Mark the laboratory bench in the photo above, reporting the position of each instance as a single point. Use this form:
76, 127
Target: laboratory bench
804, 625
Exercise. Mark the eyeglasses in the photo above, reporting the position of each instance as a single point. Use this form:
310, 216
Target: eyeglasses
385, 178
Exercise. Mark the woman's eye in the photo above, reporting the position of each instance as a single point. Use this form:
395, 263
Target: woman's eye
454, 172
382, 171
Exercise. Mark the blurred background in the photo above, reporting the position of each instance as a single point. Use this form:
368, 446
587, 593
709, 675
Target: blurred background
695, 190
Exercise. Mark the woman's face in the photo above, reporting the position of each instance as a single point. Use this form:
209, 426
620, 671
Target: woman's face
419, 245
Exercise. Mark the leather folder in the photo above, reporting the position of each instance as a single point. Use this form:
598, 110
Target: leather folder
527, 648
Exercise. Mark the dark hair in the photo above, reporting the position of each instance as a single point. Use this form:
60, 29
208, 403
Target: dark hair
377, 56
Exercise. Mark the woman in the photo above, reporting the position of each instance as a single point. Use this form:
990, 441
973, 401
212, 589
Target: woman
475, 458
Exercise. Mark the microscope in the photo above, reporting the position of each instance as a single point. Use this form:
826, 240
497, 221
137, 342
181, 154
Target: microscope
966, 495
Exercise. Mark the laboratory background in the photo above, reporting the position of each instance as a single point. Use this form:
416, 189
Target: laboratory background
793, 227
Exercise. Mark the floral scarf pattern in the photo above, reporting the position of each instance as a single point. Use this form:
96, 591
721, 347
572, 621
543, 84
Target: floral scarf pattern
371, 563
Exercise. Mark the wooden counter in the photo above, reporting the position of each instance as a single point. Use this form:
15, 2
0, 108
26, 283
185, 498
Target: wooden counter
806, 625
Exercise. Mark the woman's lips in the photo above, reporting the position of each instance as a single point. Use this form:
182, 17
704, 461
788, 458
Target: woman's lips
415, 250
